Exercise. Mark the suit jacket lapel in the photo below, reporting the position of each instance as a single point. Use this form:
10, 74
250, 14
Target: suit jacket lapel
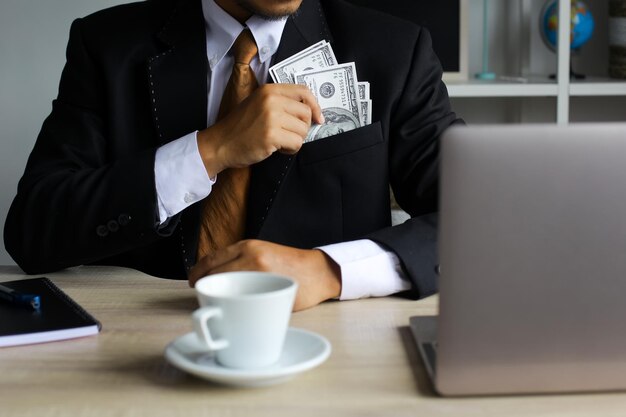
178, 86
307, 27
178, 76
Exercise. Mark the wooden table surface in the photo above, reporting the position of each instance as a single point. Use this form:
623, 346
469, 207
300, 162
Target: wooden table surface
374, 369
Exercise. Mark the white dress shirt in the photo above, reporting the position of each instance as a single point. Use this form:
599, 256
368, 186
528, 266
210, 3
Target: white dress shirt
367, 270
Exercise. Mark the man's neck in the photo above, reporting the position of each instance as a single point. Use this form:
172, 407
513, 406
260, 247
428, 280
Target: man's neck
232, 8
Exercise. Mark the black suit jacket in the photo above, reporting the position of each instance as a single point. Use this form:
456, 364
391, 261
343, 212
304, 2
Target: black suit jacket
136, 78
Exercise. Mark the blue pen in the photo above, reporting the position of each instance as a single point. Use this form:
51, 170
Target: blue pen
19, 299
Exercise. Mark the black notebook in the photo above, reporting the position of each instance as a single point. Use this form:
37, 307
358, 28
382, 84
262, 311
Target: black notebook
58, 317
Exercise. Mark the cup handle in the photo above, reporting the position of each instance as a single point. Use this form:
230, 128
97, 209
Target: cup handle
200, 319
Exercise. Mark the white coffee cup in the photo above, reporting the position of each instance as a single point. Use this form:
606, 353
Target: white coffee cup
244, 317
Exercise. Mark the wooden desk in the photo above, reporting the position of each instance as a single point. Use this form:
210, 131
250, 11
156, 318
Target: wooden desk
374, 369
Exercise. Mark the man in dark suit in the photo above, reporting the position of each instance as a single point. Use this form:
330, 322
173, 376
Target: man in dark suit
133, 146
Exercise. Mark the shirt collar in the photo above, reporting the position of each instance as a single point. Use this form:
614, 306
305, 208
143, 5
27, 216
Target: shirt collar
222, 31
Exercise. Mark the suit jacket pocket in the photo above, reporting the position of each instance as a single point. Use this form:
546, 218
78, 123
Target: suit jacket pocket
341, 144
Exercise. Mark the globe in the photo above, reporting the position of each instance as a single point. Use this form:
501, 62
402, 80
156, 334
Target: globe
582, 24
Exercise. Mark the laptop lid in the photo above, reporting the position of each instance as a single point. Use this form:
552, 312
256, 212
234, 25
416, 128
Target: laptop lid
533, 259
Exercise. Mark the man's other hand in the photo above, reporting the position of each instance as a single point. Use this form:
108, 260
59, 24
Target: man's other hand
275, 117
318, 276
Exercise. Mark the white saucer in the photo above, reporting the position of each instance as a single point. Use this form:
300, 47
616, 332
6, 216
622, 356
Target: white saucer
302, 351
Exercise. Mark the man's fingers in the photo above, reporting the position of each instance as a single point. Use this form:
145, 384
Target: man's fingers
295, 125
210, 263
233, 266
299, 111
222, 256
302, 94
291, 143
276, 117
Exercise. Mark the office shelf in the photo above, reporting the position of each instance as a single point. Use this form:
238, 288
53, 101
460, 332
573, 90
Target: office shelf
598, 87
530, 87
561, 89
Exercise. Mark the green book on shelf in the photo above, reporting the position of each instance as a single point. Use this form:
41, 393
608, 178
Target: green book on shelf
57, 318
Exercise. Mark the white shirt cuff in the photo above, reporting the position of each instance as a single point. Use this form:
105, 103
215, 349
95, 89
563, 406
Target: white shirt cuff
180, 176
367, 269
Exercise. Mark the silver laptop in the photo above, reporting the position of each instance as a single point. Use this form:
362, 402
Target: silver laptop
532, 249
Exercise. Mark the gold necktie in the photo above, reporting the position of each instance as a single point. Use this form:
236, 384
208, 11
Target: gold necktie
224, 210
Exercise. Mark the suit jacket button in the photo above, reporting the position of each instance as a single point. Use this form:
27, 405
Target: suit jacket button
124, 219
113, 226
102, 230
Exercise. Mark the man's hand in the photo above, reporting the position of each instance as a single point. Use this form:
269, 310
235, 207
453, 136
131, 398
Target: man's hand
317, 275
275, 117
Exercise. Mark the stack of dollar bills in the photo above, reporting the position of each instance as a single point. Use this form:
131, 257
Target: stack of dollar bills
345, 101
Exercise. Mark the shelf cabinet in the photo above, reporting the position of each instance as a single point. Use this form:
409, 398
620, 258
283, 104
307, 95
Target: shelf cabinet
524, 92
